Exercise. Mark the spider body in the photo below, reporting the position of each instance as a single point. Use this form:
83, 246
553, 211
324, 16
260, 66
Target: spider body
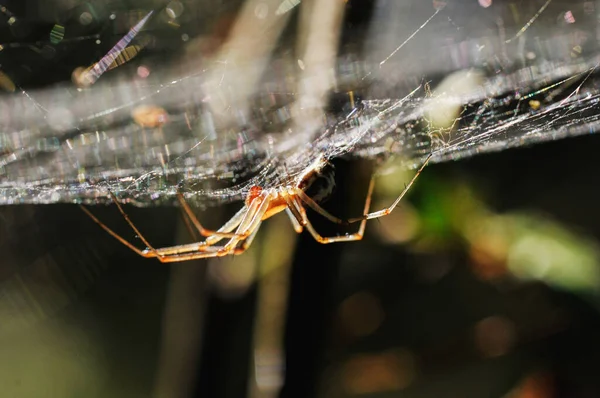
319, 183
276, 198
315, 185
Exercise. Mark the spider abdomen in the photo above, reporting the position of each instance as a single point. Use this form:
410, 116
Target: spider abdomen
319, 185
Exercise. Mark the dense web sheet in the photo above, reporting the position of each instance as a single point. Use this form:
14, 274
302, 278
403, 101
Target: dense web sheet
452, 80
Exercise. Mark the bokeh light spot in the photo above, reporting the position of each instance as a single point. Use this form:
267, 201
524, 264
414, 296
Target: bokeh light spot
361, 314
174, 9
85, 18
392, 370
150, 116
143, 71
569, 18
495, 336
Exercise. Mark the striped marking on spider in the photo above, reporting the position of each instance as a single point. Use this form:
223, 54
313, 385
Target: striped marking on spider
260, 204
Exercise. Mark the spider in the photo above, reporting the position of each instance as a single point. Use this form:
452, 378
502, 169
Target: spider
260, 204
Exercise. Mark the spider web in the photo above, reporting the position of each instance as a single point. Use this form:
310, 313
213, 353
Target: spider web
244, 116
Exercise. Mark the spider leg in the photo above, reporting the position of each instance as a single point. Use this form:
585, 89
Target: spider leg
214, 251
132, 225
192, 217
246, 244
179, 249
389, 209
229, 226
251, 221
294, 220
315, 206
176, 258
248, 227
330, 239
115, 235
207, 244
189, 227
292, 208
242, 216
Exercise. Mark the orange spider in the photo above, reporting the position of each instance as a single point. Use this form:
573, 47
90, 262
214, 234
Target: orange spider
260, 205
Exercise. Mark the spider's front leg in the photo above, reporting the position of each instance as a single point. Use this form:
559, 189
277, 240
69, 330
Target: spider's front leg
249, 224
202, 249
